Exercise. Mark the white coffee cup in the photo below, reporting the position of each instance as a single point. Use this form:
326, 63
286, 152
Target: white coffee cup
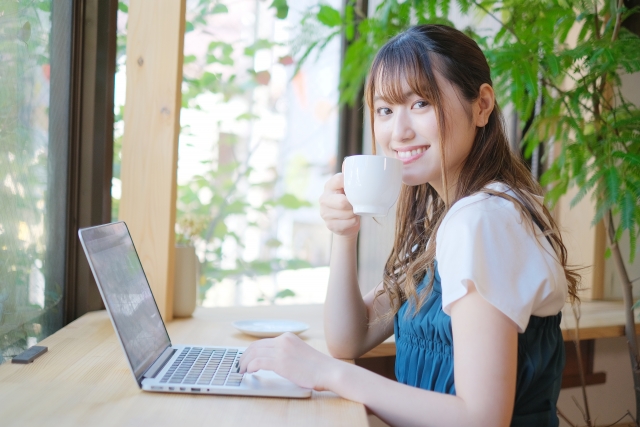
372, 183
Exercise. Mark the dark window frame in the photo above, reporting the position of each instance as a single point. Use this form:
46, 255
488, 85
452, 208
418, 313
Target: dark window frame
90, 121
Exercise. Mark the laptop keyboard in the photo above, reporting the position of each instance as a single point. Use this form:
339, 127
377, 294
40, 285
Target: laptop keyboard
205, 366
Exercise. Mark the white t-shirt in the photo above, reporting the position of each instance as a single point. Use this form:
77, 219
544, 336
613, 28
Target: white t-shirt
484, 240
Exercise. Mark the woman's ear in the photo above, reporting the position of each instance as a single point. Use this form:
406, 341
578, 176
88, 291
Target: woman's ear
484, 105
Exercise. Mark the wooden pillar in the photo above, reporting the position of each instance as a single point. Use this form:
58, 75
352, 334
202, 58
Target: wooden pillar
150, 145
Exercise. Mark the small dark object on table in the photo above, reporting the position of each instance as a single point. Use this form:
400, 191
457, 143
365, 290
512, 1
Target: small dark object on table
30, 354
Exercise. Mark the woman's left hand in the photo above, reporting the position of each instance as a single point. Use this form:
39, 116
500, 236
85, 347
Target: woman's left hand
291, 358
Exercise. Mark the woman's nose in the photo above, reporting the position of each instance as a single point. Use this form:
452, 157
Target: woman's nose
402, 129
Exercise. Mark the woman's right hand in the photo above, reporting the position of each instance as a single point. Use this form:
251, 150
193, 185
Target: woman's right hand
335, 209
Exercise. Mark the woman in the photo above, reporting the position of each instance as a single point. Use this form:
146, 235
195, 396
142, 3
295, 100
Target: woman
478, 264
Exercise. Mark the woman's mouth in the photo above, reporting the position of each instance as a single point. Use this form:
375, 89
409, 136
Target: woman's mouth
411, 154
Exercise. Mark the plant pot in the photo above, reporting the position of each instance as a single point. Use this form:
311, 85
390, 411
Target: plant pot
185, 288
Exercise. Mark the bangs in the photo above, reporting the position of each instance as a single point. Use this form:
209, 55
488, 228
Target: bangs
395, 65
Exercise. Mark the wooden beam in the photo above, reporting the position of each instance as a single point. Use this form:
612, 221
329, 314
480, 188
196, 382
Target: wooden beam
155, 39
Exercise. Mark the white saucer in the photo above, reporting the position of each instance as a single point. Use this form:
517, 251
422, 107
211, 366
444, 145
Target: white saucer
267, 328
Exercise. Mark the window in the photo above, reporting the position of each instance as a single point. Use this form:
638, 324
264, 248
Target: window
57, 63
269, 139
33, 169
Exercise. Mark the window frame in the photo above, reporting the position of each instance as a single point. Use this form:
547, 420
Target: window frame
90, 128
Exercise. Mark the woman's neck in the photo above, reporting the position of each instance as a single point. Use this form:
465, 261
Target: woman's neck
449, 195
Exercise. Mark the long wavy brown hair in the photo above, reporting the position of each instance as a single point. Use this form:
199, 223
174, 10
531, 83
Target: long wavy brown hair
415, 56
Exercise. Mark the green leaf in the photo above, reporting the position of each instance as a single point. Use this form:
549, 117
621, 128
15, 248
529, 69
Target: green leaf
554, 65
285, 293
211, 81
601, 211
350, 28
281, 7
304, 56
629, 157
122, 7
189, 59
586, 188
613, 184
236, 207
296, 264
258, 45
188, 27
607, 253
556, 192
221, 230
247, 116
273, 243
329, 16
633, 242
579, 196
261, 268
627, 208
289, 201
219, 8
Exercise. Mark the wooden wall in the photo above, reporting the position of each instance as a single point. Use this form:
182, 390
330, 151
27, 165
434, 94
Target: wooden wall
585, 243
155, 39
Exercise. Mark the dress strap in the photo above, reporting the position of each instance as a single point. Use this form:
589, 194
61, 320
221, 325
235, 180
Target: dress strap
543, 229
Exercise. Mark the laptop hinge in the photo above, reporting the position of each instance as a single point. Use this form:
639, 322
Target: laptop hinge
159, 363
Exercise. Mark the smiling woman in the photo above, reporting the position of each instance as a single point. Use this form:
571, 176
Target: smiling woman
496, 290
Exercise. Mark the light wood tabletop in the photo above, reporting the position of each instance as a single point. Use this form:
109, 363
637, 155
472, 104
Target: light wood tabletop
84, 380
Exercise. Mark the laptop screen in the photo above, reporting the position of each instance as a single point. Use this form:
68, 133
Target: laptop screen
126, 293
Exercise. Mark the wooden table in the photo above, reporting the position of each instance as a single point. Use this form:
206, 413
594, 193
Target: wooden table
84, 380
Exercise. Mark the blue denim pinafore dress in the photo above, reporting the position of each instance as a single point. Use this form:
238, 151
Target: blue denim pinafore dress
424, 358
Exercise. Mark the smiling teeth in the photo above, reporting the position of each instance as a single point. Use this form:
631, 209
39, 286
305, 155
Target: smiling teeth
407, 154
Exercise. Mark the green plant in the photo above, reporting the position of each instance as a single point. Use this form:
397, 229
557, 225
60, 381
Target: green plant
558, 63
206, 219
188, 228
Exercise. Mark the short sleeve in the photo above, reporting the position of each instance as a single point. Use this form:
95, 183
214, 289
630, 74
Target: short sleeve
483, 240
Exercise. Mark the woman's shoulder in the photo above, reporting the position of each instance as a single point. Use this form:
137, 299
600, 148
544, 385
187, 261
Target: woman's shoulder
484, 239
487, 205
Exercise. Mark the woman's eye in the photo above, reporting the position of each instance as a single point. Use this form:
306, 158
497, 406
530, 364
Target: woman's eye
383, 111
420, 104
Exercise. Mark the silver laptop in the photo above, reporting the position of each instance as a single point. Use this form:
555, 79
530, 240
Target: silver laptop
156, 364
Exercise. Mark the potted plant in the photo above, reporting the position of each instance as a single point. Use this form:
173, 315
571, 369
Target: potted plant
187, 265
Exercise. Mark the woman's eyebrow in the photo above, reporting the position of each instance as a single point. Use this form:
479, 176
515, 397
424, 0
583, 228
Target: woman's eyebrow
405, 95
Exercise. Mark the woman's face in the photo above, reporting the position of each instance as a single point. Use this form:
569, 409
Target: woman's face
409, 132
